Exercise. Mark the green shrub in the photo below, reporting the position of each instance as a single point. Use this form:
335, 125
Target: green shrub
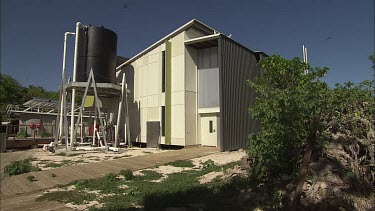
128, 174
22, 133
20, 167
208, 164
111, 177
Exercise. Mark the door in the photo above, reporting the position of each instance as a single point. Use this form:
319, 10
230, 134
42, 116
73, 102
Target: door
209, 130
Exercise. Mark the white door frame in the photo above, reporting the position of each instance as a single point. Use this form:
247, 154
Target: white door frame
209, 129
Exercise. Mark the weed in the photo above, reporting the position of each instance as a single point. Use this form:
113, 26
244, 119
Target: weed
208, 164
20, 167
31, 178
128, 174
124, 156
181, 163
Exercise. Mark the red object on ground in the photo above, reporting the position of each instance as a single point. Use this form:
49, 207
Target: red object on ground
32, 126
91, 131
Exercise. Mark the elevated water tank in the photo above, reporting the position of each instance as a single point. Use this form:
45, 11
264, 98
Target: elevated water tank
97, 49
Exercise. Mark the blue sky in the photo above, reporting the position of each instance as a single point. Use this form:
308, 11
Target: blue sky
338, 33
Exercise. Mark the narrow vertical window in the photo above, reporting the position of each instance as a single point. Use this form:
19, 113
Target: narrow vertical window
163, 121
211, 126
163, 72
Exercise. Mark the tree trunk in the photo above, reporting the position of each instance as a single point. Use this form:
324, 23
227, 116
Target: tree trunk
305, 164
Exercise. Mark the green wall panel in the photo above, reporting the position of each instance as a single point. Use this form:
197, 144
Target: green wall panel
168, 92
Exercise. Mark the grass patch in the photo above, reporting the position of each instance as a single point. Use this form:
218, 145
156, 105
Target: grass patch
79, 161
75, 197
57, 165
69, 154
181, 163
148, 175
179, 189
96, 159
61, 154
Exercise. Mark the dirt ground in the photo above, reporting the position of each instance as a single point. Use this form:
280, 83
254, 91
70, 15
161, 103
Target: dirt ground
47, 160
219, 158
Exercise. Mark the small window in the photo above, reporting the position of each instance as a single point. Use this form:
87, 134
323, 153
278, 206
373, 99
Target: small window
163, 72
211, 126
163, 121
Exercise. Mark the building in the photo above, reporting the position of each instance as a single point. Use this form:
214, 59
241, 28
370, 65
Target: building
189, 88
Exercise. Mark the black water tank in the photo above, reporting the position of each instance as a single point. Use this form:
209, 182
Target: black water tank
97, 49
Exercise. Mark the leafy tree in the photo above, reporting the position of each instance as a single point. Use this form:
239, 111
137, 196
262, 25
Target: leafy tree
289, 105
299, 113
12, 92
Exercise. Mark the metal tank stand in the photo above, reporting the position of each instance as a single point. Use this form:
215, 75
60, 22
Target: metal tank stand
123, 105
90, 82
123, 98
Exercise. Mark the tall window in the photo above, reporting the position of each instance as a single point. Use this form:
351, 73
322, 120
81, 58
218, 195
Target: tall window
163, 121
163, 72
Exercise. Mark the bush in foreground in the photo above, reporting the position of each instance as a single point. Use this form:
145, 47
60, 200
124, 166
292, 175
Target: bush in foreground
20, 167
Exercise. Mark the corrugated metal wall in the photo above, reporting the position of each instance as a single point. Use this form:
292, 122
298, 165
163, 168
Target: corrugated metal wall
237, 64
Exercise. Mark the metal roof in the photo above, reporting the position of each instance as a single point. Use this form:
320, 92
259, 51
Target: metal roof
42, 103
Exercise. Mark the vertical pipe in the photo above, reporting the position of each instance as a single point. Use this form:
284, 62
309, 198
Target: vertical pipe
82, 128
94, 131
63, 100
72, 135
303, 53
120, 108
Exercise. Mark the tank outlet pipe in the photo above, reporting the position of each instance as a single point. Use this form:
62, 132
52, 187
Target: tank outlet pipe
73, 136
63, 98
